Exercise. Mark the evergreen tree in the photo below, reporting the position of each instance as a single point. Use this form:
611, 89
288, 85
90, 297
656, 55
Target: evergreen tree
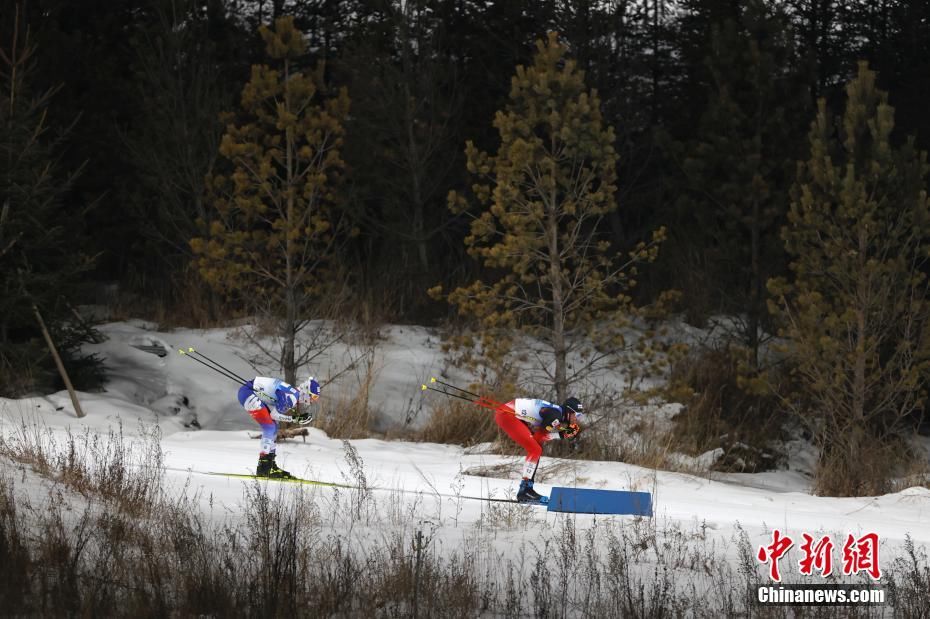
274, 229
627, 54
41, 256
894, 36
824, 42
538, 233
401, 147
172, 142
855, 310
737, 170
84, 47
488, 38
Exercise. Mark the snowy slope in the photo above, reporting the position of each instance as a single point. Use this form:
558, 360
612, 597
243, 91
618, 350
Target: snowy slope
416, 481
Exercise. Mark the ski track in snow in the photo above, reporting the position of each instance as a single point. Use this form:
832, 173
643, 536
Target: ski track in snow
172, 391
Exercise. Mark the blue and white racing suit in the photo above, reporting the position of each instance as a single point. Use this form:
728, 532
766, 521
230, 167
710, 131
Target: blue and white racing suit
268, 400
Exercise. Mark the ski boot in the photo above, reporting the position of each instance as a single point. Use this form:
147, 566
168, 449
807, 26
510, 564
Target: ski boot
268, 468
526, 494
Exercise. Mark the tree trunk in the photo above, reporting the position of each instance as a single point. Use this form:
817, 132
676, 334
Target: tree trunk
288, 361
858, 408
755, 287
290, 300
61, 367
859, 360
558, 317
654, 69
409, 72
413, 154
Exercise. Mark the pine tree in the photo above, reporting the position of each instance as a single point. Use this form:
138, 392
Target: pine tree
275, 230
855, 311
738, 170
550, 273
182, 54
403, 148
41, 254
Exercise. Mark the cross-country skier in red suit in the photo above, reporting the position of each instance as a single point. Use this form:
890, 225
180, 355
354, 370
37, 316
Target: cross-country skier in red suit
533, 423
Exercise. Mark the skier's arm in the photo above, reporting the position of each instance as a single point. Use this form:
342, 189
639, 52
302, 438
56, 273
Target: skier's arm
285, 403
551, 418
570, 428
558, 424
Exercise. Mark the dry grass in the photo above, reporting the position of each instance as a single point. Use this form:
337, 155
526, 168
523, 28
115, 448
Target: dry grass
641, 442
182, 301
73, 555
350, 418
879, 467
547, 469
720, 414
18, 370
346, 418
460, 423
129, 476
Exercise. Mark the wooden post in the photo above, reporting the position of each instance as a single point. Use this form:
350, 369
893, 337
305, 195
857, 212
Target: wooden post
61, 367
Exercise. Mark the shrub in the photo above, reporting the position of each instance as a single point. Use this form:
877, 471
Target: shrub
73, 555
720, 413
459, 423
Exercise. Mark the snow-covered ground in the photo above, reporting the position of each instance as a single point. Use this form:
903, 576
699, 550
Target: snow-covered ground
204, 430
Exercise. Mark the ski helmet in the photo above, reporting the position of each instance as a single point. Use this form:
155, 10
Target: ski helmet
574, 405
309, 390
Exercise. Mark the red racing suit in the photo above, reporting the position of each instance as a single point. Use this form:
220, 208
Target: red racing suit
531, 423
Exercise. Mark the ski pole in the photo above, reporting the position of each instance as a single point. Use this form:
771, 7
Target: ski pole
222, 367
227, 373
433, 379
443, 392
480, 400
218, 371
474, 398
191, 351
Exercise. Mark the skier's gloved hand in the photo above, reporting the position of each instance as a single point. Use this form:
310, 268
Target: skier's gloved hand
571, 431
303, 418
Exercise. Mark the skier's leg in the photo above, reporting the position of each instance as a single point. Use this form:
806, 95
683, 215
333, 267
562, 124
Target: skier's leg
267, 467
269, 436
266, 452
519, 432
262, 416
542, 437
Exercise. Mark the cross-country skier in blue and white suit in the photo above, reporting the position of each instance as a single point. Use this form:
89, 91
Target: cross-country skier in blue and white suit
271, 400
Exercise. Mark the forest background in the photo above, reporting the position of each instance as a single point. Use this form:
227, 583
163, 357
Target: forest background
758, 160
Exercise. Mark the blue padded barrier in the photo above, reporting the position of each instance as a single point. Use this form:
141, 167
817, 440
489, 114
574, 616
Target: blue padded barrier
586, 501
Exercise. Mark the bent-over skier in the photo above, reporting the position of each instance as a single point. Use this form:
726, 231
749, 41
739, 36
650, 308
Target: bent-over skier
269, 401
532, 423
